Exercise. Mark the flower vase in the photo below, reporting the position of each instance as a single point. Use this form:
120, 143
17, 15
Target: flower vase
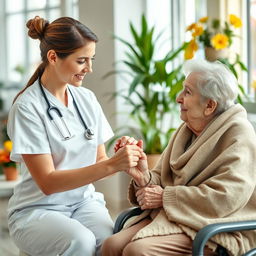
212, 54
10, 172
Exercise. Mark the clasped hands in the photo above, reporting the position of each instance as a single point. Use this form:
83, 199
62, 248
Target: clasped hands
148, 197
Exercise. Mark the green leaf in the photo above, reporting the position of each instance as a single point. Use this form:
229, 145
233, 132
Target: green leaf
134, 67
215, 23
144, 25
176, 88
173, 53
136, 81
134, 34
129, 46
160, 71
242, 66
113, 72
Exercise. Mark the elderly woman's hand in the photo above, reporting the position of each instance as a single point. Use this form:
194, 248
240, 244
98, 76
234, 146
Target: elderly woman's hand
140, 172
125, 140
150, 197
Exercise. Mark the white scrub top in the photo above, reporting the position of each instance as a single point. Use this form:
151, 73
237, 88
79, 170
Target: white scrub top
32, 132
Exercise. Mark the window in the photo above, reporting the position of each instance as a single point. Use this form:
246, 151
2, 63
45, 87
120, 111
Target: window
19, 53
175, 17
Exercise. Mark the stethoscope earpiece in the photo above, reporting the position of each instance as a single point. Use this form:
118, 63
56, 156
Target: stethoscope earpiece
89, 134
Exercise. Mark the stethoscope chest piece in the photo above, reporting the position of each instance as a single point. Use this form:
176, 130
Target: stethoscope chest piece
89, 134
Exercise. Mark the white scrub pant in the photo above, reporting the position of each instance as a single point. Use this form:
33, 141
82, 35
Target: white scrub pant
76, 230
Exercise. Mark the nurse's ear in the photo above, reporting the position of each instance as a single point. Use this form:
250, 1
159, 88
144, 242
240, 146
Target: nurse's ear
52, 56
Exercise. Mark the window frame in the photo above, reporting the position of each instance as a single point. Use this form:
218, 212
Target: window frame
66, 8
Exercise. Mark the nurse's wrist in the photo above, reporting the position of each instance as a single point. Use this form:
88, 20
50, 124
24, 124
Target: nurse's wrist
110, 166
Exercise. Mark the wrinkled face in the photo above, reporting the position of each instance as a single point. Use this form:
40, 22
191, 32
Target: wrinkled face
73, 68
192, 104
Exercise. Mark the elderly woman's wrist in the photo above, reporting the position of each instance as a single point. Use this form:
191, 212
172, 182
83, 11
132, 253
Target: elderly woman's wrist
144, 182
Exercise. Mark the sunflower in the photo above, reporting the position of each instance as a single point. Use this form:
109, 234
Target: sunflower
219, 41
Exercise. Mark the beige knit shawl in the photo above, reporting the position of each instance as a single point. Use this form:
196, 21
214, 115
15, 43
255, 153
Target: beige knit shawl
213, 180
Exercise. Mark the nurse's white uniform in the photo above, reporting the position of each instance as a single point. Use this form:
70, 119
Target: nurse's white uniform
74, 222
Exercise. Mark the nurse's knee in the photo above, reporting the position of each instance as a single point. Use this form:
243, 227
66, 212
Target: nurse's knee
82, 244
105, 233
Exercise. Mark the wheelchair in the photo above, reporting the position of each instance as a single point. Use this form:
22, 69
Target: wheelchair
202, 236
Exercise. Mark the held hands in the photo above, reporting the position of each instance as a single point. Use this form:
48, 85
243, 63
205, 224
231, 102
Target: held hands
150, 197
140, 171
127, 157
125, 140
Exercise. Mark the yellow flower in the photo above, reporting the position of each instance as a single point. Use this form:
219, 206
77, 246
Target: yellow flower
198, 30
191, 27
188, 54
235, 21
219, 41
190, 50
8, 146
203, 19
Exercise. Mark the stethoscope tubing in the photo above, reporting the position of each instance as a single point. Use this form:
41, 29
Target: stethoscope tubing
88, 132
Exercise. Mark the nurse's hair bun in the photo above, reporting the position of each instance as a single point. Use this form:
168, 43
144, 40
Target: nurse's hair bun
36, 27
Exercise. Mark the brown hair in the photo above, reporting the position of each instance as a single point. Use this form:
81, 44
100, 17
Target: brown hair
64, 36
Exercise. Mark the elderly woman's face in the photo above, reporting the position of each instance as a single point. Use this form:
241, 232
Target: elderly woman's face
192, 106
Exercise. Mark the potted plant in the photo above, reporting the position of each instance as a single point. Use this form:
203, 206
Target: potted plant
151, 94
216, 38
9, 167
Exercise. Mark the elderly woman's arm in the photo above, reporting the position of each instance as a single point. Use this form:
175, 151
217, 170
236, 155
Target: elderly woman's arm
152, 192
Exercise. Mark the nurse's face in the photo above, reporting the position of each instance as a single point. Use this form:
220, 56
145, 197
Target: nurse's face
73, 68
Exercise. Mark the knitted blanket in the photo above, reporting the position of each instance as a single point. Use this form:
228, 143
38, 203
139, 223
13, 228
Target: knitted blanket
207, 180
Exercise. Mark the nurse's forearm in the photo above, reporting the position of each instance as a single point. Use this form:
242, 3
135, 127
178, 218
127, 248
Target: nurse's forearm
52, 181
63, 180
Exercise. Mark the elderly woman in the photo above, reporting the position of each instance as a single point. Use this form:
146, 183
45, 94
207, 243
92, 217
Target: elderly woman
207, 174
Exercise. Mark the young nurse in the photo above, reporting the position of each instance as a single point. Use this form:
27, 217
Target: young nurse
58, 131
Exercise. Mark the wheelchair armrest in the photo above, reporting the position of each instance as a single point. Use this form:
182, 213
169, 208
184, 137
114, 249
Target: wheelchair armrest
124, 216
204, 234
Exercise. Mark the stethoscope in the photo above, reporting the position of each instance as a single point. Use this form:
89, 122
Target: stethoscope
88, 134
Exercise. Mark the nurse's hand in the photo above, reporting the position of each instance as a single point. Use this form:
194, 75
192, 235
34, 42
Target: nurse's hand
124, 140
140, 172
127, 157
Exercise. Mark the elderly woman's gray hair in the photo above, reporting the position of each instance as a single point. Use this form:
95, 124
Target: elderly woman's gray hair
214, 81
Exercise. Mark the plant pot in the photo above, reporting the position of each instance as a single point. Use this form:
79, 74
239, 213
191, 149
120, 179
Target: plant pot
152, 160
212, 54
11, 173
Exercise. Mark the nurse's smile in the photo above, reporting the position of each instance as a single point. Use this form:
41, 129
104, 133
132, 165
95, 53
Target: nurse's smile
80, 77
